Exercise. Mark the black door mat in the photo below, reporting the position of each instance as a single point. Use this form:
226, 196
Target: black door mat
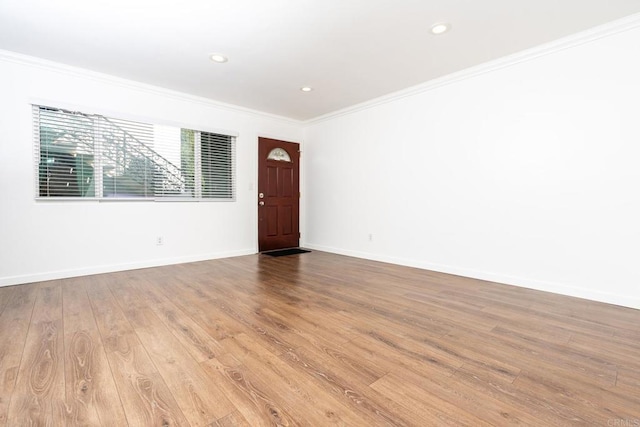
284, 252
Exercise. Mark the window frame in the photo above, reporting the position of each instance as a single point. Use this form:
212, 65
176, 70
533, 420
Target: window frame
98, 184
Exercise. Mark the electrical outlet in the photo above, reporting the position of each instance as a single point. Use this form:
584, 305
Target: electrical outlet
159, 240
370, 237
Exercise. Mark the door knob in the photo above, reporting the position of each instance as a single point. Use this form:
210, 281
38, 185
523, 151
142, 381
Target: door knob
261, 203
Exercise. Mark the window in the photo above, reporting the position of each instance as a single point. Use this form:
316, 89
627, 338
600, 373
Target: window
82, 155
279, 155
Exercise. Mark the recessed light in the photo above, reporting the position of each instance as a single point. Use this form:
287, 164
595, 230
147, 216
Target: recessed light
306, 89
440, 28
218, 57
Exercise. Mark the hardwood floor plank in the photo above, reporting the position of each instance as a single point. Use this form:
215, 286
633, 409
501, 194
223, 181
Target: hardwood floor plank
614, 350
234, 419
249, 318
278, 340
587, 401
487, 365
249, 393
115, 330
145, 397
543, 408
391, 352
14, 324
432, 410
39, 392
600, 369
572, 324
202, 402
587, 311
315, 332
540, 332
402, 312
312, 340
91, 393
332, 352
525, 354
5, 295
308, 401
196, 304
353, 389
192, 337
628, 382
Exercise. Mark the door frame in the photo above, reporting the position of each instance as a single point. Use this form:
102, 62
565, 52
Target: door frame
258, 188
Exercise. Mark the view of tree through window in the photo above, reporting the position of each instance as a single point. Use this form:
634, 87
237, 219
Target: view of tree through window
92, 156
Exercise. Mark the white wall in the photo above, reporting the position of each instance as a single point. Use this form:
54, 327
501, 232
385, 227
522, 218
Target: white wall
45, 240
527, 174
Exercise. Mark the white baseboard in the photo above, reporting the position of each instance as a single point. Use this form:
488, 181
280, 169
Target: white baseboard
556, 288
63, 274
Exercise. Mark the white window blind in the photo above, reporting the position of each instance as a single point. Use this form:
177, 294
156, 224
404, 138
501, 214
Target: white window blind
82, 155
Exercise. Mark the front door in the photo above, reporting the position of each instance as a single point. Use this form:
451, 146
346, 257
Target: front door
278, 194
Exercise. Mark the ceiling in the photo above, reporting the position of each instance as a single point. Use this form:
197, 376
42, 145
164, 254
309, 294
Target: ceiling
349, 51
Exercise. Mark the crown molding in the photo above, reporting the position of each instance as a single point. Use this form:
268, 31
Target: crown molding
31, 61
596, 33
615, 27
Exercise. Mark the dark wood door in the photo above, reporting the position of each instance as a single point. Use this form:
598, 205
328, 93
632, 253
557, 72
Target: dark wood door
278, 194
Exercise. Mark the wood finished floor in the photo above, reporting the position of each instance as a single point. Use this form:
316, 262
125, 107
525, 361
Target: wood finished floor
314, 339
